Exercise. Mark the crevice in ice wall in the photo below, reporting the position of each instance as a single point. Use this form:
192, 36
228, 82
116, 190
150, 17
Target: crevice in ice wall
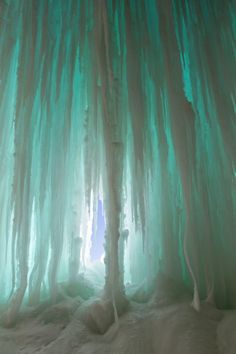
136, 98
98, 234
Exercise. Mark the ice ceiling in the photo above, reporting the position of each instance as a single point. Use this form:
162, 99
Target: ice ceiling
131, 103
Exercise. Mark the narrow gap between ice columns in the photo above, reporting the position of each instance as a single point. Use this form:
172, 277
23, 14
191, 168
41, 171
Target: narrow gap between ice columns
94, 266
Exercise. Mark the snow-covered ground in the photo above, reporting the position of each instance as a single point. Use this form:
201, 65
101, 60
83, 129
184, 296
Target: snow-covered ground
149, 328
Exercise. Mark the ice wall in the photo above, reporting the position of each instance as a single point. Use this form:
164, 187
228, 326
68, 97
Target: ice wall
131, 99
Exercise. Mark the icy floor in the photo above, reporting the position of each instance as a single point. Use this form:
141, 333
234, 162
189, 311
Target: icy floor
144, 329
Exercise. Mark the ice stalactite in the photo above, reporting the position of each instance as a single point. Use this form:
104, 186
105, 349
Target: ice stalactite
131, 102
112, 126
182, 125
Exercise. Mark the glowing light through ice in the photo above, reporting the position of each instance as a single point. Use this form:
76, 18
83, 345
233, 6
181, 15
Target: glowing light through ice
98, 234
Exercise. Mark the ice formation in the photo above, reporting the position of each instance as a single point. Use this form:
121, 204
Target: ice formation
132, 103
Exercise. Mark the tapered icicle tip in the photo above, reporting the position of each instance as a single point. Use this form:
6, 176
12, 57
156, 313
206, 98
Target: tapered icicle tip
196, 304
8, 320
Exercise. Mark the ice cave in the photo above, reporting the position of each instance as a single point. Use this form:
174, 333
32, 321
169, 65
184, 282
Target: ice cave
117, 176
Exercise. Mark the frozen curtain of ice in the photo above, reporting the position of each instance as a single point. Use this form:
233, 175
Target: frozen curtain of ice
133, 101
